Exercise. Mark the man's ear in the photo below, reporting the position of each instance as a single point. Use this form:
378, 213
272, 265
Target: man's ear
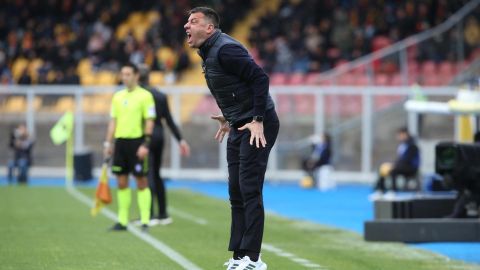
210, 28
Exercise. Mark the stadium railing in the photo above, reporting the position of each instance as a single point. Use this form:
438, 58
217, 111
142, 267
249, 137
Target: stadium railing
365, 127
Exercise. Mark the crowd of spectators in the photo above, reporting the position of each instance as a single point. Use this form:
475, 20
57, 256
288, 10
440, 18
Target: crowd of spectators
315, 36
58, 34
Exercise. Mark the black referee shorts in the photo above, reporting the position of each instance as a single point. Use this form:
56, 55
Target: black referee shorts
125, 158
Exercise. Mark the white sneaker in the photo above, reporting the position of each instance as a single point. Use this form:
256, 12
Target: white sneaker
377, 195
232, 264
160, 221
247, 264
165, 221
390, 195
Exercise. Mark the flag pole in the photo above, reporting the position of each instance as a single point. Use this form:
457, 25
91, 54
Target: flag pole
69, 159
62, 132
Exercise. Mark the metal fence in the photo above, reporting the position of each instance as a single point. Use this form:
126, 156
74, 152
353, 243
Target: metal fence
362, 122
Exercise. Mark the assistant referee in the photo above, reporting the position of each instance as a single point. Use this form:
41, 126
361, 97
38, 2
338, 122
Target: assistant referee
132, 115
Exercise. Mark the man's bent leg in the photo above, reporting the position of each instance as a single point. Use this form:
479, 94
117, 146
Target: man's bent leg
124, 196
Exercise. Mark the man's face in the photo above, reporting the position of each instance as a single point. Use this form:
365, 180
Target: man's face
401, 136
198, 29
129, 78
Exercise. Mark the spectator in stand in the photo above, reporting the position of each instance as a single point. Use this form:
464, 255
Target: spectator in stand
65, 32
25, 78
348, 28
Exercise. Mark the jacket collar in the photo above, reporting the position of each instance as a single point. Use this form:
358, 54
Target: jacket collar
203, 50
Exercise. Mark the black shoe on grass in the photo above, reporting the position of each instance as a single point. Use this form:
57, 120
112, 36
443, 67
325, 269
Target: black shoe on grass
144, 228
118, 227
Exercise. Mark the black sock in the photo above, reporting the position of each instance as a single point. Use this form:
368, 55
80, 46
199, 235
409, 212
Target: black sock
237, 255
253, 255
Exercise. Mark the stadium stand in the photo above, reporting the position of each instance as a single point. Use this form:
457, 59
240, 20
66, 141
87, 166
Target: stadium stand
305, 36
48, 38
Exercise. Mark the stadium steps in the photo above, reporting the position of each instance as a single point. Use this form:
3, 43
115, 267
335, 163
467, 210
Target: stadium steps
241, 30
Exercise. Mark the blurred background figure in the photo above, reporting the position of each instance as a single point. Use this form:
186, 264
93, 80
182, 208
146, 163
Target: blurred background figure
320, 155
21, 145
157, 185
406, 164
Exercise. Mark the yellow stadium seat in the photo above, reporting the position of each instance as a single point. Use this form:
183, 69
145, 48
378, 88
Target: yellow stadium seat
135, 18
33, 67
167, 56
64, 104
157, 78
139, 32
88, 79
195, 59
152, 16
122, 31
16, 104
106, 78
84, 67
97, 104
37, 103
19, 65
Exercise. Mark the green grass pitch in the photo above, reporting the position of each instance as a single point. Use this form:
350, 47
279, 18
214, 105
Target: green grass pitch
47, 228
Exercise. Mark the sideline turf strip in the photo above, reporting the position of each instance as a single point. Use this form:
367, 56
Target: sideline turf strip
46, 228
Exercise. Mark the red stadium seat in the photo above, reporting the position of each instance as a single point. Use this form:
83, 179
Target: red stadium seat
304, 104
396, 79
381, 79
283, 104
297, 79
362, 80
278, 79
380, 42
429, 68
412, 67
311, 78
446, 68
346, 79
431, 80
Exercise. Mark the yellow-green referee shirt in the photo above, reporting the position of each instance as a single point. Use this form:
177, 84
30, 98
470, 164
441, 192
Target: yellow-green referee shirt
130, 109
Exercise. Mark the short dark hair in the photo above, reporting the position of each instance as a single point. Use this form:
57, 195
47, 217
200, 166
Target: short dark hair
211, 14
403, 130
132, 65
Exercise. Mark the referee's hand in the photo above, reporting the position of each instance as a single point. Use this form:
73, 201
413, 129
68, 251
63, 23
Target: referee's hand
223, 127
142, 152
107, 150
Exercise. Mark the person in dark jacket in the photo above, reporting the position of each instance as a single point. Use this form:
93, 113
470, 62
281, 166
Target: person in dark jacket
157, 185
21, 144
241, 90
319, 156
406, 164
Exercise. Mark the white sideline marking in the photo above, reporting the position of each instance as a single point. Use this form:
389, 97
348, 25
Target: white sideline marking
157, 244
187, 216
281, 253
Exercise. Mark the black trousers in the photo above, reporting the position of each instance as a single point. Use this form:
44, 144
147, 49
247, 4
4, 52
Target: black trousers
155, 181
246, 169
406, 171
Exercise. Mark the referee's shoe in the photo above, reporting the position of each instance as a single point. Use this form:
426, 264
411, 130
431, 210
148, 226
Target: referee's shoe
118, 227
